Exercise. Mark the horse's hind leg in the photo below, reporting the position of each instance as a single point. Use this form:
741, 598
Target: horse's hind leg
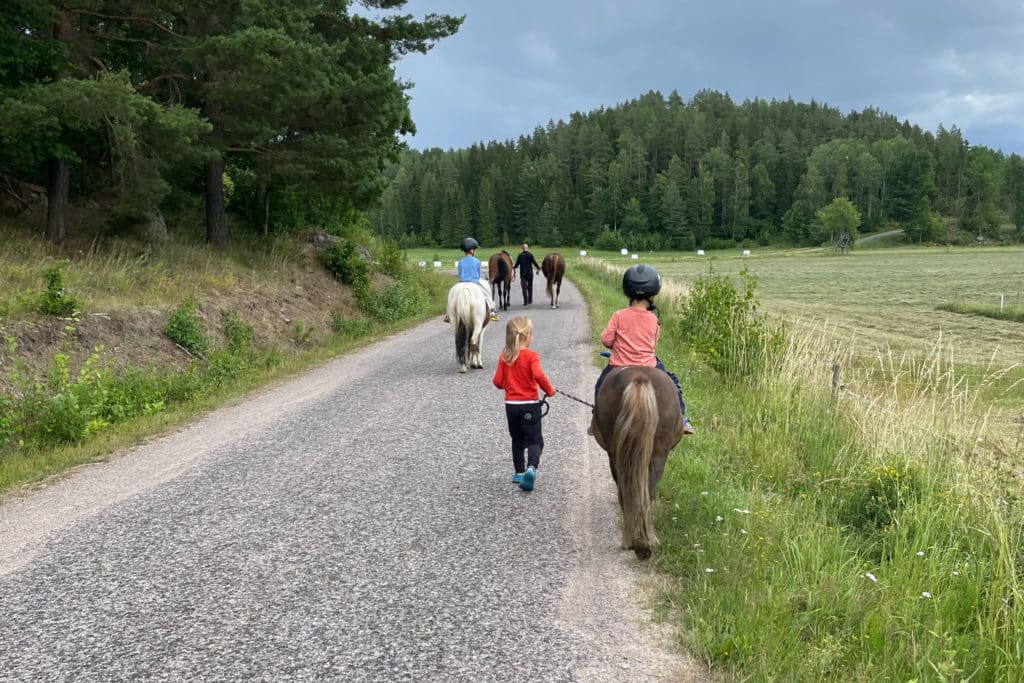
475, 360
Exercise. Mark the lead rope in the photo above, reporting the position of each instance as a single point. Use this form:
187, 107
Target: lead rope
578, 400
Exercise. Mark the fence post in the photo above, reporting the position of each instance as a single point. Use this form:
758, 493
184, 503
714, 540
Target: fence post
835, 381
1020, 432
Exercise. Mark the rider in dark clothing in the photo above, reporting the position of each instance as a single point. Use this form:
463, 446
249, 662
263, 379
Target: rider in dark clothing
526, 264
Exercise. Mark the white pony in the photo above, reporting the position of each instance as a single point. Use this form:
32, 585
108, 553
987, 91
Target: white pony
467, 311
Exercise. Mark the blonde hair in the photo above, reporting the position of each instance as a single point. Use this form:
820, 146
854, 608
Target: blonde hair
518, 332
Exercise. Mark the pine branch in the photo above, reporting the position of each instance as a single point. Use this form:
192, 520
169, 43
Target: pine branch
143, 20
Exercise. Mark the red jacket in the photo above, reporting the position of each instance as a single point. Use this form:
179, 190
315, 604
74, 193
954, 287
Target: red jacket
521, 379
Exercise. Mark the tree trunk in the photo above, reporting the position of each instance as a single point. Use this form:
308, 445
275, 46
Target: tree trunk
216, 220
57, 201
59, 172
266, 213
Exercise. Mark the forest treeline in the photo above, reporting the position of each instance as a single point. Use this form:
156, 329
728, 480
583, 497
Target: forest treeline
663, 173
281, 112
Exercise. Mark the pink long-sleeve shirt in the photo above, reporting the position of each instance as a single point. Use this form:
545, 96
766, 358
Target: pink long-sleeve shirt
632, 335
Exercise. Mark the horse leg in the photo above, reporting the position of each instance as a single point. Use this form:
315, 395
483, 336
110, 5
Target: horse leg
657, 469
475, 360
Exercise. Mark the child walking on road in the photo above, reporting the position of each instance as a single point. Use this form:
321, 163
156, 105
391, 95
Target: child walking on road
520, 375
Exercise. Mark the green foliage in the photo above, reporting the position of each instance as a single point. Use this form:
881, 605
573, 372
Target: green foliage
722, 325
390, 259
62, 420
302, 333
875, 500
186, 329
401, 299
54, 300
345, 263
237, 332
838, 217
608, 241
346, 326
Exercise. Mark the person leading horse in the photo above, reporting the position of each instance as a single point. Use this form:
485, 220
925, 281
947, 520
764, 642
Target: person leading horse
527, 265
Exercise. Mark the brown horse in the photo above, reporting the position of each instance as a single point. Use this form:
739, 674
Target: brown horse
499, 273
637, 421
553, 267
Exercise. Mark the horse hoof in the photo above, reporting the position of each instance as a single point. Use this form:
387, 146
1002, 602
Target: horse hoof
462, 369
643, 552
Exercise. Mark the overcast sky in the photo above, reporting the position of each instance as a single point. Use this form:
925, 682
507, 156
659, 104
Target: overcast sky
515, 64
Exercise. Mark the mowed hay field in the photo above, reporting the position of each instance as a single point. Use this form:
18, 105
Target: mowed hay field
883, 299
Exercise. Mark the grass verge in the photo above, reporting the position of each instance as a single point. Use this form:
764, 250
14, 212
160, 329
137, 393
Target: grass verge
858, 536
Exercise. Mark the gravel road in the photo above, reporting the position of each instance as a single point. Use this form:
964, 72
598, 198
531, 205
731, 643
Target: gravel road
357, 523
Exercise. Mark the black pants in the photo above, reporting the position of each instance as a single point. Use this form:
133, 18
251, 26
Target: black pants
526, 282
661, 366
527, 439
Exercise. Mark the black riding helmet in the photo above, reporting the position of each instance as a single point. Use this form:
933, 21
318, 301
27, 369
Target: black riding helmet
641, 282
469, 244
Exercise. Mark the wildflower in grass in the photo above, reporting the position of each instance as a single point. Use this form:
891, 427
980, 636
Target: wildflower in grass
956, 573
743, 531
718, 518
709, 570
742, 512
920, 553
926, 594
703, 493
870, 576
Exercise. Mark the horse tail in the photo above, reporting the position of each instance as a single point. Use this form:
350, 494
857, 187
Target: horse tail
503, 268
461, 341
633, 445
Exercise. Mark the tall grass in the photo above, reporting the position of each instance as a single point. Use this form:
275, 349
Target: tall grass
857, 533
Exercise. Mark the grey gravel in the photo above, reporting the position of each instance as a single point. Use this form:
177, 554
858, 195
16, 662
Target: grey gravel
357, 523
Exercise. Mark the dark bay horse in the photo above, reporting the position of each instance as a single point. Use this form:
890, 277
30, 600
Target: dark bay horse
499, 273
553, 267
637, 422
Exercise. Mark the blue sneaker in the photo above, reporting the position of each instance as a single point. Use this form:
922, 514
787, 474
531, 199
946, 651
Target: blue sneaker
528, 478
517, 477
